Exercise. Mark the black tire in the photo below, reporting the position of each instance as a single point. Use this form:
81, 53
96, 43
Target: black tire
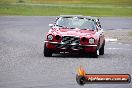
101, 50
47, 52
95, 55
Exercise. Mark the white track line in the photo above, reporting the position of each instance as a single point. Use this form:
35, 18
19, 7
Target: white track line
118, 49
111, 40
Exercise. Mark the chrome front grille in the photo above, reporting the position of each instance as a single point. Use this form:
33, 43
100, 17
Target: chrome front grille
70, 39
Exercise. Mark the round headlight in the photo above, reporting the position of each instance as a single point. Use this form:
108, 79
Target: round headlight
50, 37
91, 41
84, 39
57, 37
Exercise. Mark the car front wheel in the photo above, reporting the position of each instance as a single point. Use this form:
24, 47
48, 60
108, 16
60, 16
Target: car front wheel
101, 50
47, 52
95, 54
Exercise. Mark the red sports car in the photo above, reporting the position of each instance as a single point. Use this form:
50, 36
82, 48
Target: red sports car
75, 34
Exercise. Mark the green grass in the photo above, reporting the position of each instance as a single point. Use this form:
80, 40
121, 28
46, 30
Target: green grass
54, 7
108, 2
58, 10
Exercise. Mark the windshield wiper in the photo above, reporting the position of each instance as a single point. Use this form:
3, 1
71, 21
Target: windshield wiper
72, 28
88, 29
65, 27
61, 26
84, 29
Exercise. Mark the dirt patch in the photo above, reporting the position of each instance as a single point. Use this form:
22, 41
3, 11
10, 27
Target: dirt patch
124, 36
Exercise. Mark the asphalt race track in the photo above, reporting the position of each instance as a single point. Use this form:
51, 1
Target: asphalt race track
22, 64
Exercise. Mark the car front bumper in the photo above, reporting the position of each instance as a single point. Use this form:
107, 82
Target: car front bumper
73, 44
63, 47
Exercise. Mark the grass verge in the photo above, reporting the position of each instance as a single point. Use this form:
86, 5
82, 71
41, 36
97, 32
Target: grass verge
57, 9
130, 34
101, 2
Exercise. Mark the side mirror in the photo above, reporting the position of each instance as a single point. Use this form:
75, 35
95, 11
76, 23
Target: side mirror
51, 25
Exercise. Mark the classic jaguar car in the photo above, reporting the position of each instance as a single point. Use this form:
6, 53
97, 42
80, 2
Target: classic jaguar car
75, 34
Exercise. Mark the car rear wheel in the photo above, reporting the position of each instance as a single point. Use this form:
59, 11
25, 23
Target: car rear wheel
101, 50
47, 52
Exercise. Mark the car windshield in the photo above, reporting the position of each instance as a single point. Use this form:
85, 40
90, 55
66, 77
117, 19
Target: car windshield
76, 22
